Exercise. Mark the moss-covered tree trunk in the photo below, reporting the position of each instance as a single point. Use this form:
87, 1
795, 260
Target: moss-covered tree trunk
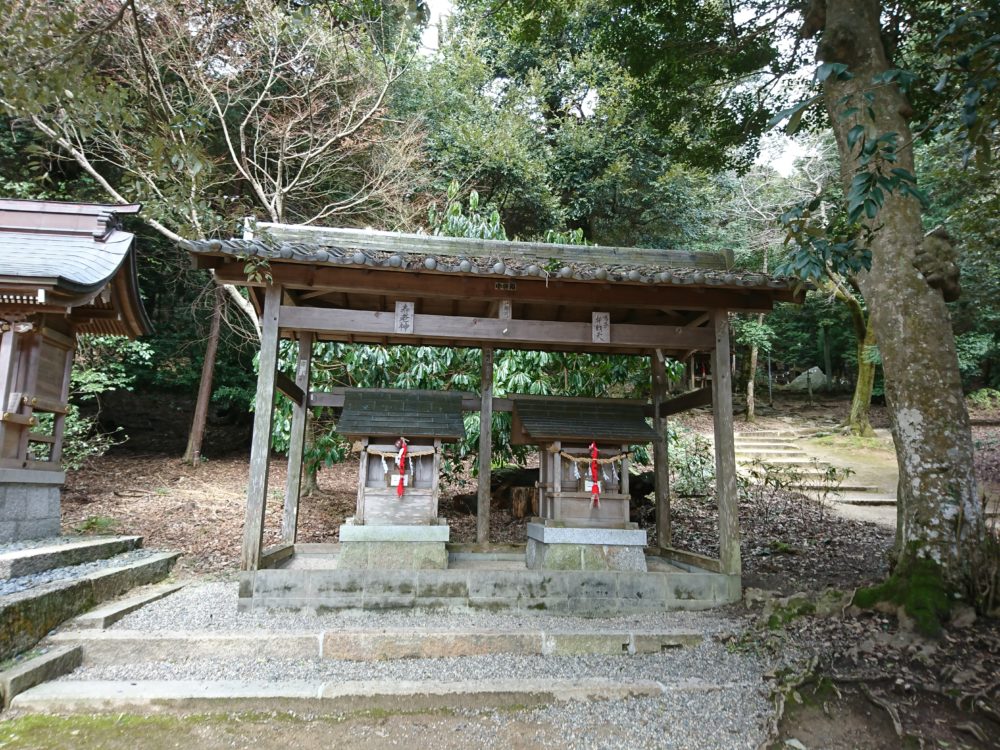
859, 419
939, 516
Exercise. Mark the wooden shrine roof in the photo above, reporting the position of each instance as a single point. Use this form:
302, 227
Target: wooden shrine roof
407, 413
71, 258
389, 288
543, 419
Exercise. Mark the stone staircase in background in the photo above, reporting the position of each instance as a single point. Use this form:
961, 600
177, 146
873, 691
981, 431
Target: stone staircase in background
44, 585
780, 451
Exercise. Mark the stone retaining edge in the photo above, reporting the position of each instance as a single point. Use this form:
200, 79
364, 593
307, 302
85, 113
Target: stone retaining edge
27, 616
31, 672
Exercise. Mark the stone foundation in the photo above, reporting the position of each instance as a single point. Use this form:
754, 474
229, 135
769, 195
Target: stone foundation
567, 548
29, 509
393, 547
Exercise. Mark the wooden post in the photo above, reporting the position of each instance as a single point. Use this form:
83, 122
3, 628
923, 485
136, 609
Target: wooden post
485, 448
359, 513
297, 441
193, 452
260, 447
725, 452
661, 465
8, 370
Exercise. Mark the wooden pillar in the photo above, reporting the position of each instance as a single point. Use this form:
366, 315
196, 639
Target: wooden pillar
661, 466
8, 370
485, 448
260, 447
297, 441
725, 452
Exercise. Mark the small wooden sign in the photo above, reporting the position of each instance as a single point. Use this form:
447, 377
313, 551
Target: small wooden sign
588, 486
504, 310
601, 328
404, 317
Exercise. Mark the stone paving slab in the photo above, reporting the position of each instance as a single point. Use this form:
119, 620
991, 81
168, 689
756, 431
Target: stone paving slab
188, 695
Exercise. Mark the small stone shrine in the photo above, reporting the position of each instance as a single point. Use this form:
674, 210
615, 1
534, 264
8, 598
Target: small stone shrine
583, 492
65, 269
398, 434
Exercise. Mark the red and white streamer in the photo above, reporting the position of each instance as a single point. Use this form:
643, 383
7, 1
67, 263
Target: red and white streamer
595, 485
401, 463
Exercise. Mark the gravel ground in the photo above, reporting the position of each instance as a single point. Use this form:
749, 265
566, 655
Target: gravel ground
70, 572
212, 606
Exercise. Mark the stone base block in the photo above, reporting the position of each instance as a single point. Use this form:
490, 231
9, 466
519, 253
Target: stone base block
567, 548
351, 532
28, 511
392, 555
542, 556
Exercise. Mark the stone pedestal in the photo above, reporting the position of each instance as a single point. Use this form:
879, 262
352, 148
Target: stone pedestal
569, 548
393, 547
29, 504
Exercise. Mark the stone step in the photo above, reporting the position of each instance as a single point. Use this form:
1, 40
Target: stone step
789, 461
852, 499
839, 488
113, 647
68, 696
762, 445
107, 614
26, 616
750, 439
24, 562
765, 455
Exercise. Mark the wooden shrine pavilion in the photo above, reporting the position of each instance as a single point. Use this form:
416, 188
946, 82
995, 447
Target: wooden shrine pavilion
365, 286
65, 268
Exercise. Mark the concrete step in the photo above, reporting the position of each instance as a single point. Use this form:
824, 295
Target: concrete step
25, 617
67, 696
114, 647
107, 614
24, 562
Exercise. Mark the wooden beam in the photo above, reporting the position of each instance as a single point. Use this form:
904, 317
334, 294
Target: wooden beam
700, 320
288, 386
260, 447
725, 452
453, 330
689, 400
416, 284
334, 398
297, 441
661, 466
485, 448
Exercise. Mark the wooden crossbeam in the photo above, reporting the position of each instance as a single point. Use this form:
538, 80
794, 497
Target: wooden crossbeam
287, 386
453, 330
523, 289
689, 400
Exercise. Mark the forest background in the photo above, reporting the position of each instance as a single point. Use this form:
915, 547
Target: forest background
537, 128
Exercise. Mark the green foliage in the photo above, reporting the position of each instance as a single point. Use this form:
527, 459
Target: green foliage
96, 525
692, 462
973, 349
985, 398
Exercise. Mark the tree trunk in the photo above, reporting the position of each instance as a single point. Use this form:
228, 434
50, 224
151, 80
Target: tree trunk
192, 454
939, 518
858, 420
751, 415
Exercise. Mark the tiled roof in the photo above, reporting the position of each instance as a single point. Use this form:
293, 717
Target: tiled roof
407, 413
602, 420
450, 255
